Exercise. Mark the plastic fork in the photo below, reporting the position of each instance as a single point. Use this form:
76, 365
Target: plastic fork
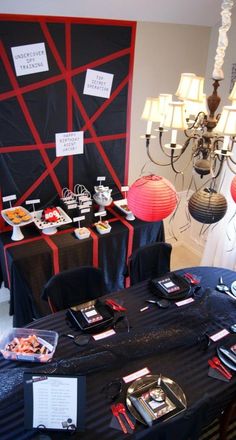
218, 368
216, 360
115, 413
121, 409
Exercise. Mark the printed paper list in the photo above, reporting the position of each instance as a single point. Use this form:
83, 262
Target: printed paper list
55, 402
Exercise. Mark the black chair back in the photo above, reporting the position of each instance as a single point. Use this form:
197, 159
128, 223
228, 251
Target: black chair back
74, 286
149, 261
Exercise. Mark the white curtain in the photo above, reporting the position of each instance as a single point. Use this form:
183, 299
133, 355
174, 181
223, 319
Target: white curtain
220, 248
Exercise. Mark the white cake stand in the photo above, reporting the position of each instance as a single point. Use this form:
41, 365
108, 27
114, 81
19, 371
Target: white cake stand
17, 234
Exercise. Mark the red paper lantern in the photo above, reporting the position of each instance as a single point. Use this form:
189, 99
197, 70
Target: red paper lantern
233, 189
152, 198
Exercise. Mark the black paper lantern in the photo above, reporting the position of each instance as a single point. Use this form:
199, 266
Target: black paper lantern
207, 206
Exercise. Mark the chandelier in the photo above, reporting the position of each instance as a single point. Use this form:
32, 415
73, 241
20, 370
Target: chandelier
210, 136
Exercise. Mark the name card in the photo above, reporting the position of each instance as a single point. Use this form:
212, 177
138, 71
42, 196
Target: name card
83, 211
100, 214
101, 178
68, 144
70, 206
9, 198
136, 375
219, 335
85, 205
78, 219
84, 198
29, 58
98, 83
32, 202
124, 188
184, 302
104, 335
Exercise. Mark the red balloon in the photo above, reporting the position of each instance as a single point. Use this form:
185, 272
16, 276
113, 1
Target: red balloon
152, 198
233, 189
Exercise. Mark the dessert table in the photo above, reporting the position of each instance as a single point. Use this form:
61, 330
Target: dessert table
28, 264
166, 341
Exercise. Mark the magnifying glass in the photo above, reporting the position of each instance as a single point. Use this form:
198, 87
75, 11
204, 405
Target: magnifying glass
79, 339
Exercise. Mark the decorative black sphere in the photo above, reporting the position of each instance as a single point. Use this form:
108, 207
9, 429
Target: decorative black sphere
207, 206
202, 167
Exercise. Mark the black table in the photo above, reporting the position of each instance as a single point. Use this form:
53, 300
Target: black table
28, 264
164, 340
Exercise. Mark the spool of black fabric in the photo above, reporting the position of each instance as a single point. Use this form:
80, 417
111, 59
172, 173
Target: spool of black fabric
207, 206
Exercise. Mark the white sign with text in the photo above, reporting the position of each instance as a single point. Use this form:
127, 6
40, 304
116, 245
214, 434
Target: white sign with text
30, 58
69, 143
98, 83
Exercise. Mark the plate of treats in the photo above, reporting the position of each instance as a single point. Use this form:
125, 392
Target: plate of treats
17, 217
50, 218
123, 207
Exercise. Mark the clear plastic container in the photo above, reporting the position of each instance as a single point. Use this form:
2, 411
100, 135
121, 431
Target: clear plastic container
47, 338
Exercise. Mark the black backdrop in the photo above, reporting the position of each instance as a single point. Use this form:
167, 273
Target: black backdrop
36, 106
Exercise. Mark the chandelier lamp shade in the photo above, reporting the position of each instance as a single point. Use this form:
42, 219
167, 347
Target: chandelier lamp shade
233, 189
207, 206
152, 198
232, 96
210, 135
190, 87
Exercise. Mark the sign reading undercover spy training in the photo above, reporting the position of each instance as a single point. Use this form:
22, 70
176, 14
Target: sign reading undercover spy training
30, 58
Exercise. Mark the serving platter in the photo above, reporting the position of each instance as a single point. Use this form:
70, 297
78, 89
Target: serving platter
123, 207
50, 228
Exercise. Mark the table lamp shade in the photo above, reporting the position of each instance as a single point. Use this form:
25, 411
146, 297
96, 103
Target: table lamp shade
207, 206
152, 198
233, 189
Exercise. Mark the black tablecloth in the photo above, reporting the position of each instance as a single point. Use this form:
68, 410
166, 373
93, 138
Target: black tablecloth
164, 340
27, 265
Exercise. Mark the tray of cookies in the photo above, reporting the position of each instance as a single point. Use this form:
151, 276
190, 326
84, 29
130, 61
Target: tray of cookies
17, 216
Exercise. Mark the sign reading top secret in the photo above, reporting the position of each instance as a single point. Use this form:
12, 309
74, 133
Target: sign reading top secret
30, 58
98, 83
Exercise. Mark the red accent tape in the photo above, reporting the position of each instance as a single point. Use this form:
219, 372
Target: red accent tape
55, 255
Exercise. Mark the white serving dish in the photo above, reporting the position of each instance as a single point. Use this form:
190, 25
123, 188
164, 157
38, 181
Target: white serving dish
50, 228
120, 205
17, 233
103, 231
82, 233
46, 337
